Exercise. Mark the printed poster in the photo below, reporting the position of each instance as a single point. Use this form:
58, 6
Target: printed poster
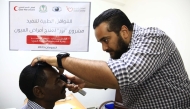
49, 26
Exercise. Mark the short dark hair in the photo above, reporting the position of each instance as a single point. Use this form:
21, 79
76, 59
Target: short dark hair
115, 19
27, 76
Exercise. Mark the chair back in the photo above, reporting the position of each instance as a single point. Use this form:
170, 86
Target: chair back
118, 103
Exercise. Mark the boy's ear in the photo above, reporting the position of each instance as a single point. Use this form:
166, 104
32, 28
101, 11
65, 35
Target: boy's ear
38, 92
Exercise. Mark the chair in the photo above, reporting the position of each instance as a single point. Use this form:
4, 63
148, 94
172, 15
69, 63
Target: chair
117, 103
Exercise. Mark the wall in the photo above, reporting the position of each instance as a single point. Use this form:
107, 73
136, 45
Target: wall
172, 16
12, 62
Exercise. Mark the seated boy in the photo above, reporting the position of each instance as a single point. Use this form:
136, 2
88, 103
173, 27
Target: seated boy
42, 86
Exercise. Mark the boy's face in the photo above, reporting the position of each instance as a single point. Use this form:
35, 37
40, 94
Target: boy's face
54, 88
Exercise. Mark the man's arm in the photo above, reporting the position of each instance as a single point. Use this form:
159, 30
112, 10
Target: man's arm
94, 86
80, 83
93, 71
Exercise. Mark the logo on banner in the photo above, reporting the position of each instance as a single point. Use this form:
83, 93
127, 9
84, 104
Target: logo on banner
15, 8
56, 9
71, 9
43, 8
23, 8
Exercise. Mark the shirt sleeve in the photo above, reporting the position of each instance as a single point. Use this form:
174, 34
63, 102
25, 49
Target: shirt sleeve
141, 61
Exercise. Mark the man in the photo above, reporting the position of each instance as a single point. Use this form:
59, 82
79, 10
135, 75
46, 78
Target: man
42, 86
145, 65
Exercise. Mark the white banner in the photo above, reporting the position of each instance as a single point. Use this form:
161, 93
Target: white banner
51, 26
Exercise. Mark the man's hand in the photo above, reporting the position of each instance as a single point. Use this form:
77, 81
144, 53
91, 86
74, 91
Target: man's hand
51, 60
78, 83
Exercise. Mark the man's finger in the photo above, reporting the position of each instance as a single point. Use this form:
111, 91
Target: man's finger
34, 61
72, 87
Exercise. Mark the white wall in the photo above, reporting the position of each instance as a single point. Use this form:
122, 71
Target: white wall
172, 16
12, 62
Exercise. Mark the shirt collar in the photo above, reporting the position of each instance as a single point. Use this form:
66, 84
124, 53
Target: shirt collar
136, 30
34, 105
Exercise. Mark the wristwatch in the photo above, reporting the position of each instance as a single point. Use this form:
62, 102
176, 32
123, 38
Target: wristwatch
60, 56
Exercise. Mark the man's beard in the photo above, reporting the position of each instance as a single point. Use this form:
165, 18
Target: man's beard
121, 48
